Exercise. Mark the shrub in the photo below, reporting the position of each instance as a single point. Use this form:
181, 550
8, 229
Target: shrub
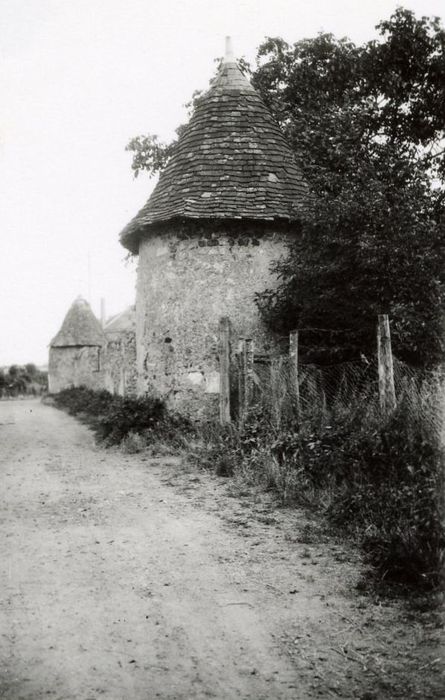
379, 481
396, 501
125, 415
78, 400
140, 422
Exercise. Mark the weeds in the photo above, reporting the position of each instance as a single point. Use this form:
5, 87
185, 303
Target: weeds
136, 424
380, 481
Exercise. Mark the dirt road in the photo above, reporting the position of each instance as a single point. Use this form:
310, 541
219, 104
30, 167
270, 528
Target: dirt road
128, 578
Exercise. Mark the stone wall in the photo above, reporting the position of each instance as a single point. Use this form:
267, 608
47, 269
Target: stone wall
121, 363
188, 280
76, 366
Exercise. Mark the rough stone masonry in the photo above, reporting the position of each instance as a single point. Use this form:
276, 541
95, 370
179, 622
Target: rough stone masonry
228, 202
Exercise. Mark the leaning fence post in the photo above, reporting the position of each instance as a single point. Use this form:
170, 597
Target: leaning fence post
224, 370
293, 356
387, 392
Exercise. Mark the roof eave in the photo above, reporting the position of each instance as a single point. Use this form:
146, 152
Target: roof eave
130, 238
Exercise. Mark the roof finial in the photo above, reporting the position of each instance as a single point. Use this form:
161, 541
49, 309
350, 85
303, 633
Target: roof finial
229, 57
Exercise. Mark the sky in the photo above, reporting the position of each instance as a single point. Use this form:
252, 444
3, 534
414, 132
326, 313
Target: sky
78, 79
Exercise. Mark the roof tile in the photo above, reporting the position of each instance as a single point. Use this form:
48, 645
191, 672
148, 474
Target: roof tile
222, 164
80, 327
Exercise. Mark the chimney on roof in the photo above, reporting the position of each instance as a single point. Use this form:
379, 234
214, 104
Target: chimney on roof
229, 57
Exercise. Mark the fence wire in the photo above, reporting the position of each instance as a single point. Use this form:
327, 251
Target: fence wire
346, 387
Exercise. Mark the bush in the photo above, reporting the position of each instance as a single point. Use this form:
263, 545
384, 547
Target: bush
378, 481
125, 415
138, 421
83, 400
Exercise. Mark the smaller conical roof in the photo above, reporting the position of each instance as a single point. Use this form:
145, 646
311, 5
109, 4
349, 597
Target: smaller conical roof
80, 327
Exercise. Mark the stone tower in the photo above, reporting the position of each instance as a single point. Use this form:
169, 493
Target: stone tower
76, 353
227, 203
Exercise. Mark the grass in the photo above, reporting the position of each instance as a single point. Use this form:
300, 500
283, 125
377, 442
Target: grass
379, 481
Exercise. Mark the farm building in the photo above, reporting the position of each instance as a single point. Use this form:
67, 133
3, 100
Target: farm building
226, 205
76, 353
121, 353
85, 354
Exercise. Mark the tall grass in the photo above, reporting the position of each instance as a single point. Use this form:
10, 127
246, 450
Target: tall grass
379, 480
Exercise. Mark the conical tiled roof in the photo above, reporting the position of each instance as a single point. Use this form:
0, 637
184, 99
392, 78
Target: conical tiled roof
80, 327
230, 162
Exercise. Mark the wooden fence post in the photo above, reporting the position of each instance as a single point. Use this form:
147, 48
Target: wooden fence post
276, 389
293, 357
224, 371
240, 364
248, 373
245, 376
387, 392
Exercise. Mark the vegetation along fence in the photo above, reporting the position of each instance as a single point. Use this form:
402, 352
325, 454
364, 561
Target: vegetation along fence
286, 388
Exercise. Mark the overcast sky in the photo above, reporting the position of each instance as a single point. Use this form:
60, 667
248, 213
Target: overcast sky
78, 79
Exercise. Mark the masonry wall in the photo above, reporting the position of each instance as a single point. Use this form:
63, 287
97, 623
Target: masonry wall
76, 366
121, 363
186, 283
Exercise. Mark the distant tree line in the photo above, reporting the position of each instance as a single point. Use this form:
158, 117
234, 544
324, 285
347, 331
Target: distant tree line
22, 380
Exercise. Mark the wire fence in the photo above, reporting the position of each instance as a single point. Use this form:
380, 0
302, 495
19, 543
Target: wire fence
322, 391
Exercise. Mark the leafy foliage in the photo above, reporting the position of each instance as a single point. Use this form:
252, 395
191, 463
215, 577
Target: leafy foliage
28, 380
81, 400
367, 126
149, 153
116, 419
126, 415
381, 481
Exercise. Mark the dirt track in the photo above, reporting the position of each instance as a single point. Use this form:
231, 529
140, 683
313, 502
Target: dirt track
129, 578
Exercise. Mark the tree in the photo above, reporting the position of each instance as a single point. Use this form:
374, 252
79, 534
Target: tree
27, 379
367, 127
150, 154
31, 370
